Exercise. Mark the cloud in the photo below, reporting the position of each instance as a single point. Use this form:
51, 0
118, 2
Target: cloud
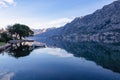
56, 23
6, 3
33, 22
9, 1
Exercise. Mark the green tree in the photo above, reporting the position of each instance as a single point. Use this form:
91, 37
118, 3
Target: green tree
20, 31
5, 37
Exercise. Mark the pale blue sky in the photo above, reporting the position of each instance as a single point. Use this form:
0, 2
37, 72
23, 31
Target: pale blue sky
46, 13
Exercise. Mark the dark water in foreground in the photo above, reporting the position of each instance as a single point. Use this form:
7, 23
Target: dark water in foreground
62, 61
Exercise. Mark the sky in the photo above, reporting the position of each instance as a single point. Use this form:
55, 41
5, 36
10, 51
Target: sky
39, 14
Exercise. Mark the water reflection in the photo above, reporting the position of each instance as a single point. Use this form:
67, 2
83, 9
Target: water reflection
106, 55
62, 60
54, 51
6, 75
103, 54
20, 50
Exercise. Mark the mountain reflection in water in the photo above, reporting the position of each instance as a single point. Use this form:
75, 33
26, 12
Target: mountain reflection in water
62, 60
103, 54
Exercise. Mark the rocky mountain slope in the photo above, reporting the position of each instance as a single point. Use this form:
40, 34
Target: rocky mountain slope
101, 25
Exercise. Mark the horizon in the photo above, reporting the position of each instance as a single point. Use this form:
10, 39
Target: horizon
39, 14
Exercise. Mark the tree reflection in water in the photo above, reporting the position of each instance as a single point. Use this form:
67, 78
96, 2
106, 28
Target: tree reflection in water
20, 50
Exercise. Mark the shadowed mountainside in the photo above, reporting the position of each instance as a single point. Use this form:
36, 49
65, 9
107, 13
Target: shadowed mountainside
102, 25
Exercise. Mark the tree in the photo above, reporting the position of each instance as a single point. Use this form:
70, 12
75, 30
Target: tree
20, 31
5, 37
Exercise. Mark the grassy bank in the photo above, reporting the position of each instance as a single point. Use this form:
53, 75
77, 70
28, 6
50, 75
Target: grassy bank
2, 43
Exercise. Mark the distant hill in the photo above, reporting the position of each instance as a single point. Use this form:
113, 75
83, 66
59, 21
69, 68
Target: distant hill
51, 32
38, 31
101, 25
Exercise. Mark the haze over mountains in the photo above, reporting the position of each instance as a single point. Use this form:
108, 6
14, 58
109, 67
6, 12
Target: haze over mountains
101, 25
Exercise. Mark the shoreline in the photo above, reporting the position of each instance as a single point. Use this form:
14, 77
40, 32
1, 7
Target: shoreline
11, 42
4, 47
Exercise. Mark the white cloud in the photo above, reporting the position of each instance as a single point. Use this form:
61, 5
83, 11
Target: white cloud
6, 3
2, 4
56, 23
32, 22
9, 1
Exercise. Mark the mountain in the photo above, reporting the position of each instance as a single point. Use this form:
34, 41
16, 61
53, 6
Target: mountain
51, 32
104, 21
101, 25
38, 31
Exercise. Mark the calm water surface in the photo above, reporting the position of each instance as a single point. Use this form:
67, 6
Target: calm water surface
70, 61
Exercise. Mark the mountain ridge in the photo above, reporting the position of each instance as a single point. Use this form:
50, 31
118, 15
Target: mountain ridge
102, 24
